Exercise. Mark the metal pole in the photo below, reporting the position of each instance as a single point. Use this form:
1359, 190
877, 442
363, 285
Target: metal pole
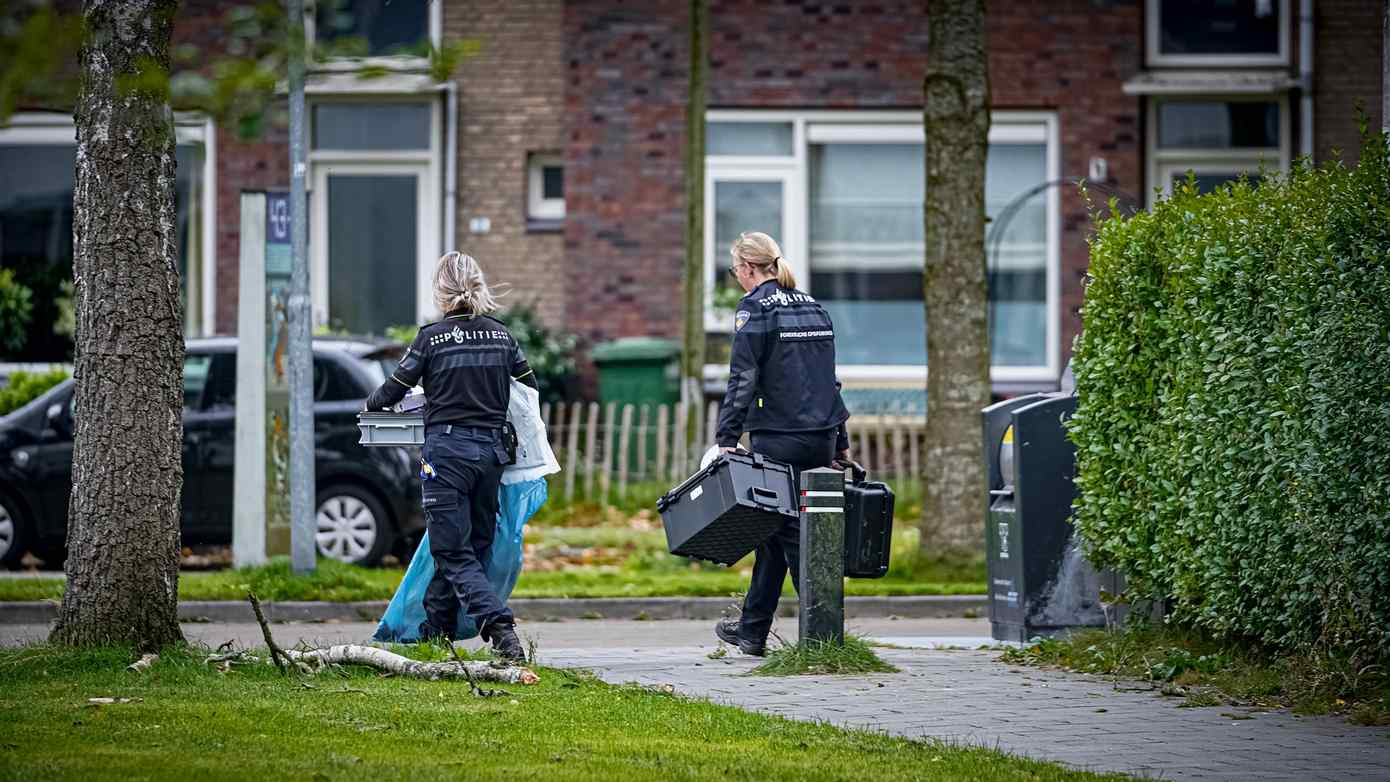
822, 568
302, 549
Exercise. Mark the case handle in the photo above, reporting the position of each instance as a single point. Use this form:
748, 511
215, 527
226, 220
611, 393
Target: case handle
857, 471
765, 497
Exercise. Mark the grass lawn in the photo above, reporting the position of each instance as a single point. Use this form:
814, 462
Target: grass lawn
575, 562
192, 722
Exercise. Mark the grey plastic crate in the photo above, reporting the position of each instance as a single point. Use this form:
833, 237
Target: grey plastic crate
391, 429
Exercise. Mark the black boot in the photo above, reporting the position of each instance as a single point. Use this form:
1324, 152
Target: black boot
505, 644
728, 632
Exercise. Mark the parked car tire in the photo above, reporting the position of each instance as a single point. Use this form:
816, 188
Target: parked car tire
352, 525
14, 532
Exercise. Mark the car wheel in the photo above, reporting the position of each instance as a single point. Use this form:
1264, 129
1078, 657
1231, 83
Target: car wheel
12, 533
352, 525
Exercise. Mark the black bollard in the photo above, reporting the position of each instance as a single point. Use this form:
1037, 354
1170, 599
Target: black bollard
822, 569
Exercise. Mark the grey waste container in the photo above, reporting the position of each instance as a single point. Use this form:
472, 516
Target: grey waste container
1039, 581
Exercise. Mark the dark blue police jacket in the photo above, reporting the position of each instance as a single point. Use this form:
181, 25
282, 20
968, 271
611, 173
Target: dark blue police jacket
782, 374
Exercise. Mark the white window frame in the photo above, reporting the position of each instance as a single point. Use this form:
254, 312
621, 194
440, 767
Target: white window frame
57, 129
537, 206
1164, 162
819, 126
1156, 58
424, 163
399, 62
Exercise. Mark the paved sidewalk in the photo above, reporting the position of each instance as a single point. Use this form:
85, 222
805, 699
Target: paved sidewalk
970, 697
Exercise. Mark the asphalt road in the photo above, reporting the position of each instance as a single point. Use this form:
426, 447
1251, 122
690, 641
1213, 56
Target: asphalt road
570, 634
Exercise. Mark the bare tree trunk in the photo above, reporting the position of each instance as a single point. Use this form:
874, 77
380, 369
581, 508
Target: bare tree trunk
123, 520
956, 94
693, 356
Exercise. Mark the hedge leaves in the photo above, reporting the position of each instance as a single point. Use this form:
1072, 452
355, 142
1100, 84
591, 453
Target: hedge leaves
1233, 426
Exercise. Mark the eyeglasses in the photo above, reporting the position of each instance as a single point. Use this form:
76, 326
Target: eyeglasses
733, 270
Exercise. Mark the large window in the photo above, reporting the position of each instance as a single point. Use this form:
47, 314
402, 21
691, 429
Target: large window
849, 189
1216, 140
374, 211
38, 160
1218, 32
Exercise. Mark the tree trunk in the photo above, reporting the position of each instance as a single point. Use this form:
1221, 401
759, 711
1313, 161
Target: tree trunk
956, 95
693, 356
123, 518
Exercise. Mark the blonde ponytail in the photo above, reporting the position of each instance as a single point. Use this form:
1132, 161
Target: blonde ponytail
762, 252
785, 278
459, 285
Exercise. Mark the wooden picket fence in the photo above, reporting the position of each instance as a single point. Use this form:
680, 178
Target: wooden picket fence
606, 449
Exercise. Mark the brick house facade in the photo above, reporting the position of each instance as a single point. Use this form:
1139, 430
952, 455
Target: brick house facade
555, 154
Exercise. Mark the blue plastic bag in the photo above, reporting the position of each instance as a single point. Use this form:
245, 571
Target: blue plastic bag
517, 503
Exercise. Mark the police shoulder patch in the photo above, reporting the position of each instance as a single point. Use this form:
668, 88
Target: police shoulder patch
740, 318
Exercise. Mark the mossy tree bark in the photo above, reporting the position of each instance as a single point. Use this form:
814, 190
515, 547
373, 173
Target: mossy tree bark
123, 517
956, 116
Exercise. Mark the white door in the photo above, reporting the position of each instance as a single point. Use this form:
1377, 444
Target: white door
373, 239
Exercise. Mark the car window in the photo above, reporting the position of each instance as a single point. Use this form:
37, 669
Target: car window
195, 379
220, 392
330, 385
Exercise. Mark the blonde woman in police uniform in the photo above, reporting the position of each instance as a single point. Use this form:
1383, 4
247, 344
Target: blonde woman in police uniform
783, 392
466, 363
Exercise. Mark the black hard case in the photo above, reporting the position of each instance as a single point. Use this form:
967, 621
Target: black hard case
729, 508
868, 527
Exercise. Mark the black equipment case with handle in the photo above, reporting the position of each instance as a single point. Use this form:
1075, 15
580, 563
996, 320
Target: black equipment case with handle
868, 526
728, 508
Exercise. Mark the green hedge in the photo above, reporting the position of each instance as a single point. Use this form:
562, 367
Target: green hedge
1233, 427
23, 387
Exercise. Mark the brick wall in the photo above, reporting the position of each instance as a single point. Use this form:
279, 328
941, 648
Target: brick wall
1346, 68
511, 103
625, 97
625, 101
261, 163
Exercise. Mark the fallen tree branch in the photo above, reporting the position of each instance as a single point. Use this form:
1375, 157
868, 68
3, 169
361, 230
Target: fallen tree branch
382, 660
276, 653
472, 685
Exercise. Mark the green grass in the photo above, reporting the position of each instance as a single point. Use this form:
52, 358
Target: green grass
574, 562
191, 722
1207, 672
854, 656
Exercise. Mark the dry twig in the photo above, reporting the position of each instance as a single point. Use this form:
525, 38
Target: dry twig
277, 655
472, 685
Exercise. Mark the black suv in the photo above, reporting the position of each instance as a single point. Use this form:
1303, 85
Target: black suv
368, 498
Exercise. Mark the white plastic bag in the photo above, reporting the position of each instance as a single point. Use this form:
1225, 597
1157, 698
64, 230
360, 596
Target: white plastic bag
534, 458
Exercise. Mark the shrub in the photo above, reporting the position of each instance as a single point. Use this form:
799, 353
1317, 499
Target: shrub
1233, 426
24, 387
16, 308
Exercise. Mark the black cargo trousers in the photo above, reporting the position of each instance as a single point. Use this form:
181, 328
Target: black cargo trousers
460, 504
782, 552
